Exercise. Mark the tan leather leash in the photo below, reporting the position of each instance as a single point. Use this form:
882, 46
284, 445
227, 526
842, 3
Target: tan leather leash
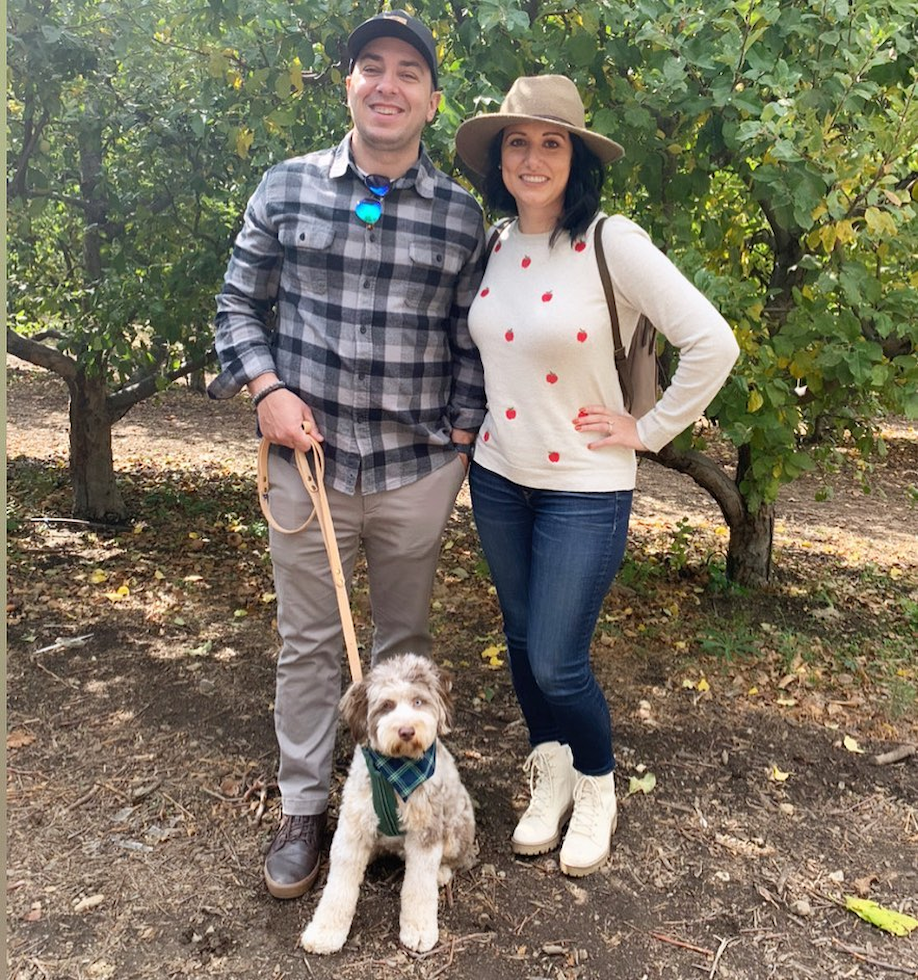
315, 486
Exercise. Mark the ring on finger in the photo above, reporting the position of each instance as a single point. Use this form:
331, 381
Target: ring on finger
611, 425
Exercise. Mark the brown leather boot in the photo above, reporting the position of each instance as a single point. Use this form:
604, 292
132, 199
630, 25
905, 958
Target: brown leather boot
292, 863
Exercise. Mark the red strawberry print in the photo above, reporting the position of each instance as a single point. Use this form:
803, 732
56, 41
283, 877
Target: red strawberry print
497, 247
485, 291
554, 457
580, 246
581, 335
508, 336
526, 262
551, 377
581, 413
511, 413
486, 436
546, 296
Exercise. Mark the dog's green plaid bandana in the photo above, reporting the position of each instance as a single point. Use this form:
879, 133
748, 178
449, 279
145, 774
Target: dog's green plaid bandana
389, 774
403, 775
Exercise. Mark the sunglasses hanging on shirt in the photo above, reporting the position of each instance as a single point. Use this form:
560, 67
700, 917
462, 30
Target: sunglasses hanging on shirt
369, 210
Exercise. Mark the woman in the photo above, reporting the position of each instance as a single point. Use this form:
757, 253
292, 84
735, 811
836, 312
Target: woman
555, 465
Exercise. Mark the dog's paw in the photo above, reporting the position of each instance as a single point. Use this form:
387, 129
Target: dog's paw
316, 939
444, 875
418, 936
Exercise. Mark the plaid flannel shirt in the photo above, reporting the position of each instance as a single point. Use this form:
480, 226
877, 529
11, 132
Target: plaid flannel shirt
368, 325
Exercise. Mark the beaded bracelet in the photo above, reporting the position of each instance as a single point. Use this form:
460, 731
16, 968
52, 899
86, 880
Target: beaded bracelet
274, 386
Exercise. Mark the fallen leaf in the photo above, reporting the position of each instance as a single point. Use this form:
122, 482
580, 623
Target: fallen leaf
851, 745
897, 923
492, 655
863, 885
778, 775
90, 902
644, 784
18, 738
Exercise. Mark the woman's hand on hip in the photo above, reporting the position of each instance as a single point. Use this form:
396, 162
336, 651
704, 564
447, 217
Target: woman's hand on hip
613, 428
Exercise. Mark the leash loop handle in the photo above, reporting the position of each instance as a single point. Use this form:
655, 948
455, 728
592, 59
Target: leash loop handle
314, 482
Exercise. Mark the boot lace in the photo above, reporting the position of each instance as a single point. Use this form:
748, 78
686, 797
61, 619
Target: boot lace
587, 806
541, 781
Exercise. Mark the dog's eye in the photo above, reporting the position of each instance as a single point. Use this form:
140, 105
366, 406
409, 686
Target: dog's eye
419, 702
387, 705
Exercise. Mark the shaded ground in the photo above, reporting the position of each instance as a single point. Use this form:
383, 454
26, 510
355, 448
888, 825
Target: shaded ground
141, 761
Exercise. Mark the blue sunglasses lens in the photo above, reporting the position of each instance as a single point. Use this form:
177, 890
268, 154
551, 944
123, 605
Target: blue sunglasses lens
369, 210
378, 185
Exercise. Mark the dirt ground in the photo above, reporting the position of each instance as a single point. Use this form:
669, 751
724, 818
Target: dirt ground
140, 746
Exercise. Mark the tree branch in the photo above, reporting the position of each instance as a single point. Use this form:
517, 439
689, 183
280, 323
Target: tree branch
121, 402
709, 475
40, 355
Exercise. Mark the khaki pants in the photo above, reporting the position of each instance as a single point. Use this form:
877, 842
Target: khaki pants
401, 532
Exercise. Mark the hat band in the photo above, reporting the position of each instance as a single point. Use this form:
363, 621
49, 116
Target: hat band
546, 116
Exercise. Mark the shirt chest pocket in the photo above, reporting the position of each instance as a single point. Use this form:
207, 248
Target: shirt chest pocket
307, 255
431, 275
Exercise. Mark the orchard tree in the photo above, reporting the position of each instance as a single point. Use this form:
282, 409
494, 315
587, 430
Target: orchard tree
771, 151
129, 146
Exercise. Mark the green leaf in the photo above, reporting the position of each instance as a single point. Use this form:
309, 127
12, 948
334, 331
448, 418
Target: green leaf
897, 923
643, 784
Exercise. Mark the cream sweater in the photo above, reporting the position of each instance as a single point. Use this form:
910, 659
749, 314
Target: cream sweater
542, 326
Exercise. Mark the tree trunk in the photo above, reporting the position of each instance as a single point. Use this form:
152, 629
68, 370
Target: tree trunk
197, 381
96, 496
749, 551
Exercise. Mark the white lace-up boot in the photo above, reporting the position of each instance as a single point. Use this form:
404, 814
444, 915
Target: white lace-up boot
587, 844
551, 785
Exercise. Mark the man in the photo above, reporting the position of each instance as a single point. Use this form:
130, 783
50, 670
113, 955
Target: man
343, 312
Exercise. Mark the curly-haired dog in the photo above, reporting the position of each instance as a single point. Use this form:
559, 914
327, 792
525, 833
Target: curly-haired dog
395, 716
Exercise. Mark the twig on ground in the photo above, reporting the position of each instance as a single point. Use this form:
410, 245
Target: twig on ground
680, 943
80, 522
176, 803
724, 943
449, 961
895, 755
858, 954
454, 943
73, 685
85, 798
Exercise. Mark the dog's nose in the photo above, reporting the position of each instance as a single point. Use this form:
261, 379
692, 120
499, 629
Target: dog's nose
406, 734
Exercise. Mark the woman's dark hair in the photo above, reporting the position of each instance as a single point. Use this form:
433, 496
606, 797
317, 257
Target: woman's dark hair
581, 197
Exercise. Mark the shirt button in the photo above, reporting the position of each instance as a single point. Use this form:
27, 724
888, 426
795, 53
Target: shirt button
363, 329
366, 283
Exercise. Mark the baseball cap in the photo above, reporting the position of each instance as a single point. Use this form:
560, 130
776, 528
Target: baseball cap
398, 24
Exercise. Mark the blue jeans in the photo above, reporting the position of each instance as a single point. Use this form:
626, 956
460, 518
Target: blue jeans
553, 555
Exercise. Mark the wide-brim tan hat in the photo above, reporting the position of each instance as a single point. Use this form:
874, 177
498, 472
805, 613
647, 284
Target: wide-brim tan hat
534, 98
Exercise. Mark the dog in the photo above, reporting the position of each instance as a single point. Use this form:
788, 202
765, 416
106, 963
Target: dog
399, 711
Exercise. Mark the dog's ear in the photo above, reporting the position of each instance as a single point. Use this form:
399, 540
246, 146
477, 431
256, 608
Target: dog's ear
445, 701
354, 706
